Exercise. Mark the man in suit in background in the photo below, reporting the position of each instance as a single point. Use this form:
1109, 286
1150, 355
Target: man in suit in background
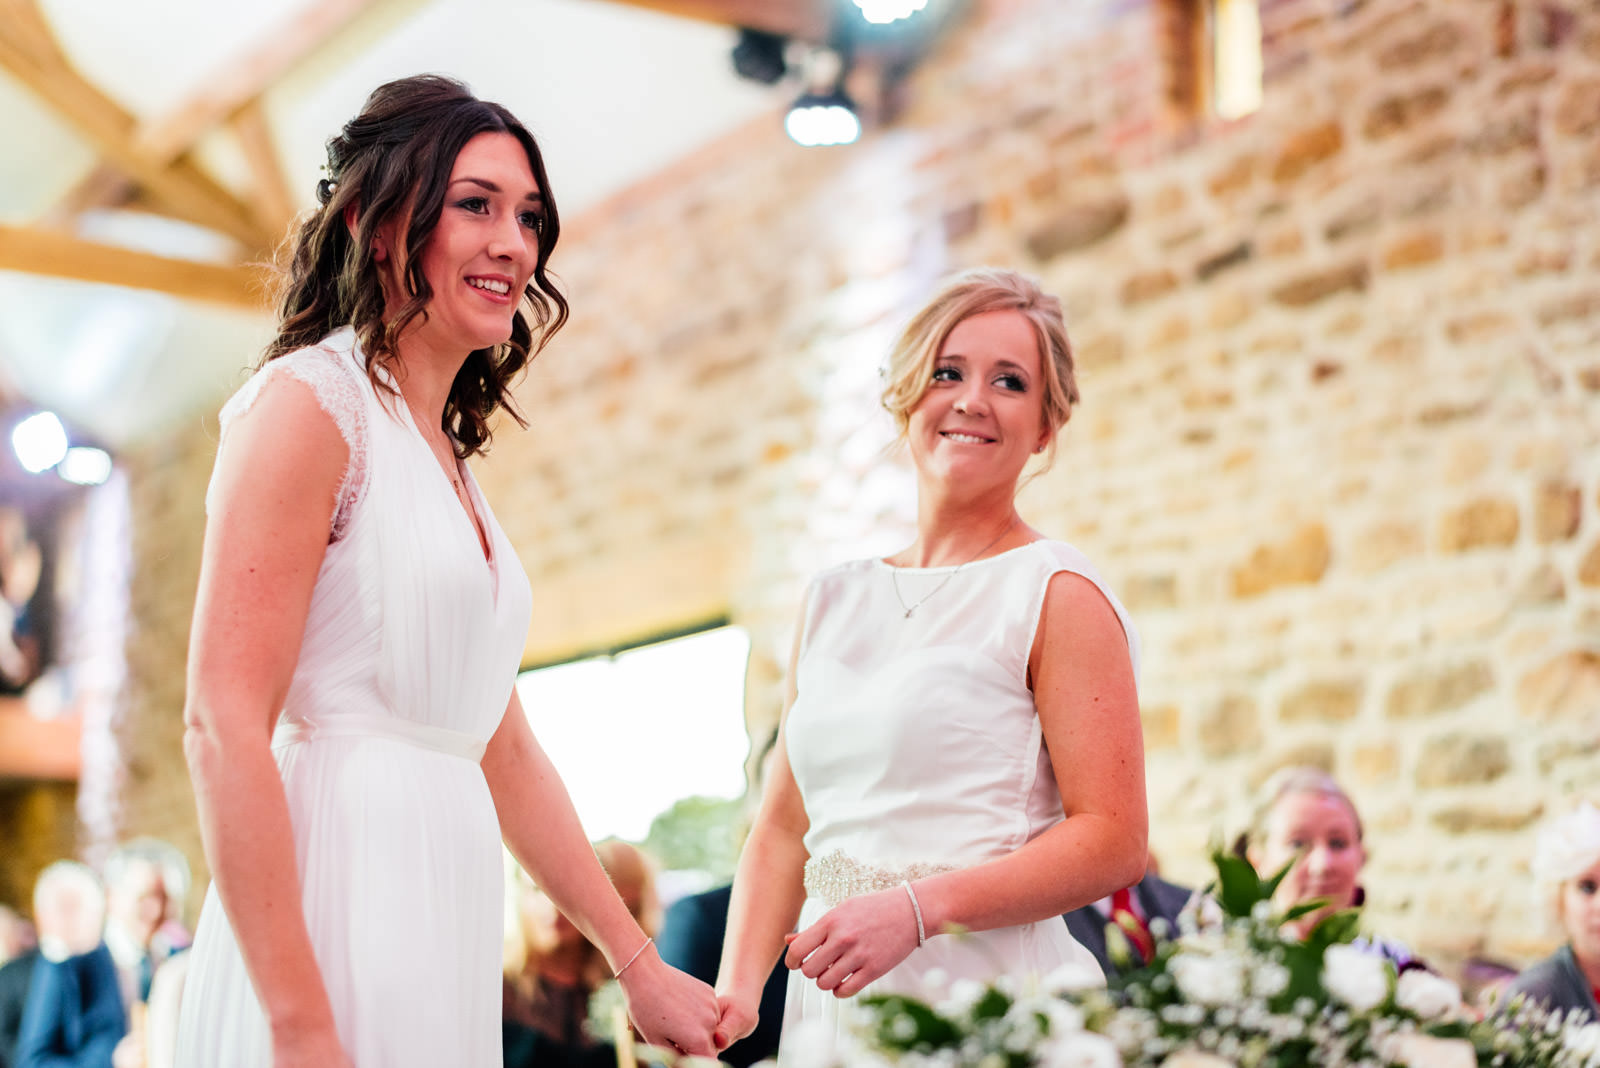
1132, 909
74, 1015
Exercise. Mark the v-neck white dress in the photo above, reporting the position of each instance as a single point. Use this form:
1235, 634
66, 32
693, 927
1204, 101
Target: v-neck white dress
411, 649
917, 749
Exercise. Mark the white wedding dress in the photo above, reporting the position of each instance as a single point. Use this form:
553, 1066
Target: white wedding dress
411, 649
917, 748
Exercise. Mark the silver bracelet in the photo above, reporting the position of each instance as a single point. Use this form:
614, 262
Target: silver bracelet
640, 950
922, 935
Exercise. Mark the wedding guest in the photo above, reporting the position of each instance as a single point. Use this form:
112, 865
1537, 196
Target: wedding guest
961, 745
1133, 909
73, 1016
1305, 817
356, 742
1566, 876
554, 971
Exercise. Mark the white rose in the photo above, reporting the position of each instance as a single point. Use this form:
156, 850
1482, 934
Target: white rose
1425, 1051
1270, 979
1357, 978
1194, 1058
1081, 1049
1429, 996
1209, 978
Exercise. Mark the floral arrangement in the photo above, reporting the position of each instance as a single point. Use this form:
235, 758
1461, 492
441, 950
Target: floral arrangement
1233, 991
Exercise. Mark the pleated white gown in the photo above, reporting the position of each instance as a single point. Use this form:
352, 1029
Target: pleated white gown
411, 650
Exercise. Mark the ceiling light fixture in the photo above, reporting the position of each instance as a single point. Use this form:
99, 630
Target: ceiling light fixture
818, 119
85, 465
40, 442
883, 12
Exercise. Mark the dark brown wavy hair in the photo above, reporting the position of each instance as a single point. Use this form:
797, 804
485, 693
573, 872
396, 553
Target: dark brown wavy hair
393, 161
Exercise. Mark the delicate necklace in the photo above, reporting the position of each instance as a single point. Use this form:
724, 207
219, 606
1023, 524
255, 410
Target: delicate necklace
894, 578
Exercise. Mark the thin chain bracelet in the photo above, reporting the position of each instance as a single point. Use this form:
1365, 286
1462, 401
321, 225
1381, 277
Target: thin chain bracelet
922, 935
648, 941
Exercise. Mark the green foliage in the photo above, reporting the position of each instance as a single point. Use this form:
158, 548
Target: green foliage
698, 834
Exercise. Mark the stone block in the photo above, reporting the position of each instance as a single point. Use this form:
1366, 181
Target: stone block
1589, 566
1310, 754
1150, 592
1229, 309
1565, 688
1219, 262
1375, 762
1160, 726
1499, 818
1397, 112
1552, 754
1579, 307
1229, 726
1557, 510
1310, 288
1489, 522
1438, 42
1234, 178
1306, 148
1300, 559
1462, 760
1322, 701
1414, 250
1148, 285
1431, 691
1577, 111
1079, 227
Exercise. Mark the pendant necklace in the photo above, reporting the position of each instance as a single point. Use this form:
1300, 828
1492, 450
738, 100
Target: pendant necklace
894, 579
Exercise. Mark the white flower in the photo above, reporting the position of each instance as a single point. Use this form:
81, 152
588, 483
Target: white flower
1269, 979
934, 982
1583, 1040
1357, 978
1424, 1051
1209, 979
1071, 977
962, 995
1193, 1058
1082, 1049
1429, 996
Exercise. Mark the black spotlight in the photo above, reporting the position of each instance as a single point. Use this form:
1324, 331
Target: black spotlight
759, 56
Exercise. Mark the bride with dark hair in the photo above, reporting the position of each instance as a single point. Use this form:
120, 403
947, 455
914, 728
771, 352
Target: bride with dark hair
355, 739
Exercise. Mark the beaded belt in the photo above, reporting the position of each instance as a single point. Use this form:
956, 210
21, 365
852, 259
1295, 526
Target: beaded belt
834, 877
353, 725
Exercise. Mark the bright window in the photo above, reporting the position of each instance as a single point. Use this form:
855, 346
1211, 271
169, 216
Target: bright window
635, 732
1237, 51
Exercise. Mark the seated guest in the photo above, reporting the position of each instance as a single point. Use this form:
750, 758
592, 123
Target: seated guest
1132, 909
74, 1015
552, 971
1305, 816
1566, 873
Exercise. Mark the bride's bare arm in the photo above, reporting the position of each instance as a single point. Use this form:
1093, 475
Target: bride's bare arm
542, 828
768, 890
272, 499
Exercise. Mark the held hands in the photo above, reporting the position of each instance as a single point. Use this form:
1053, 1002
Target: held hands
669, 1008
855, 942
739, 1018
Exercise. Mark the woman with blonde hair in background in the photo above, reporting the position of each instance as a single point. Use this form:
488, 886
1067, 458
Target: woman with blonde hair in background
1566, 877
552, 971
961, 747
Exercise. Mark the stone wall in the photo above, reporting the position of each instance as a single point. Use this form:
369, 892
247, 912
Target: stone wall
1337, 446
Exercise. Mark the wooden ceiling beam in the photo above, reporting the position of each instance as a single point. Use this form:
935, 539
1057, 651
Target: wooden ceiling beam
48, 252
180, 185
808, 20
271, 197
242, 79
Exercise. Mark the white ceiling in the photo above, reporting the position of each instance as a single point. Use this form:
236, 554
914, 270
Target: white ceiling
612, 92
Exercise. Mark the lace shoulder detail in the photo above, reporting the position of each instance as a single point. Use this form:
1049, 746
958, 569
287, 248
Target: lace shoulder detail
340, 389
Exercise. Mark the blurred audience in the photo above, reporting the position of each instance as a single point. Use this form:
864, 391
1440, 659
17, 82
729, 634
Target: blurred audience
73, 1014
16, 935
1306, 817
1566, 875
552, 971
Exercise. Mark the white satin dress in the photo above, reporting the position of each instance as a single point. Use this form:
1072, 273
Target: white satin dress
917, 749
411, 649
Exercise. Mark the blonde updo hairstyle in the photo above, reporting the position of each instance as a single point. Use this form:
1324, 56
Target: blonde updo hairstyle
974, 292
1568, 846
